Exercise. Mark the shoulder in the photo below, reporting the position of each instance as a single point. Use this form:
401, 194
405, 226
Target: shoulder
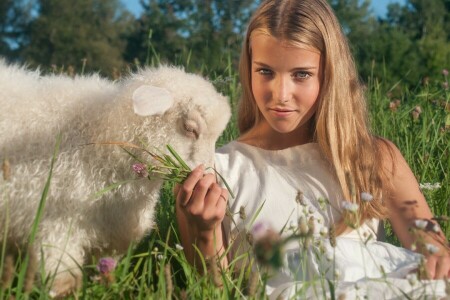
391, 157
402, 183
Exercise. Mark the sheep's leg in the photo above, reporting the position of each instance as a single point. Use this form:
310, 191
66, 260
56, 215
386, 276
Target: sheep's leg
62, 264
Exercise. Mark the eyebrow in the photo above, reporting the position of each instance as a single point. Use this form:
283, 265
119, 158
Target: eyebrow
261, 64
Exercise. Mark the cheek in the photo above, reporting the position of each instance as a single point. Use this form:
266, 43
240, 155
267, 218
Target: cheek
311, 94
257, 91
260, 91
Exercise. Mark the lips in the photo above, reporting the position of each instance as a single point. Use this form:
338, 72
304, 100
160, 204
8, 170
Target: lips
281, 111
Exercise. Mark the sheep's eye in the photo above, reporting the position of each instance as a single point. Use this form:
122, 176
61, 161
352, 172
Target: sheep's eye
190, 128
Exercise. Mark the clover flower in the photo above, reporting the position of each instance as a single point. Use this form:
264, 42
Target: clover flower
140, 169
267, 245
445, 72
416, 112
366, 197
260, 229
393, 105
106, 265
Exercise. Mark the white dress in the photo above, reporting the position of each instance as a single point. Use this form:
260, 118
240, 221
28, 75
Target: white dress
266, 185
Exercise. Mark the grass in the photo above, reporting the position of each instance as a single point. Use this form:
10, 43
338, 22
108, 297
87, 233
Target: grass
157, 268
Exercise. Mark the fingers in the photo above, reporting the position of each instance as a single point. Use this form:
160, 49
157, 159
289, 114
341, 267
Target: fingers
430, 266
442, 267
184, 192
438, 267
223, 198
205, 195
201, 199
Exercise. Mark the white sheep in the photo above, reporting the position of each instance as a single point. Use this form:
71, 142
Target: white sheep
153, 107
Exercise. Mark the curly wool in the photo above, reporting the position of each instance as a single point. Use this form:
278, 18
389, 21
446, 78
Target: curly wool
89, 109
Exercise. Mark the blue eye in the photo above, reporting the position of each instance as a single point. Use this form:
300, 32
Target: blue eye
301, 75
264, 72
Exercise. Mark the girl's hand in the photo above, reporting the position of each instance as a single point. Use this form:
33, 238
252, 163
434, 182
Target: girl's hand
437, 267
202, 201
200, 208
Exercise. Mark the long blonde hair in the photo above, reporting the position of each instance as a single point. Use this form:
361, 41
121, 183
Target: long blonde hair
341, 121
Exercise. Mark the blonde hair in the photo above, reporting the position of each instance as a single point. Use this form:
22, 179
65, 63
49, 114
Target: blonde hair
340, 122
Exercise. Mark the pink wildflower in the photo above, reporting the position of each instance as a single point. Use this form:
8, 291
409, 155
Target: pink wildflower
140, 169
445, 72
106, 265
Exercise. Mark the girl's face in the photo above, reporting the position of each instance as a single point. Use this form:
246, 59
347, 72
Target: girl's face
285, 83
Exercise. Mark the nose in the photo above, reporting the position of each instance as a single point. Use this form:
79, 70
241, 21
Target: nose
282, 90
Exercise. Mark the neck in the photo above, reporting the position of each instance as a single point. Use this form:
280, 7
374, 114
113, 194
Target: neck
264, 136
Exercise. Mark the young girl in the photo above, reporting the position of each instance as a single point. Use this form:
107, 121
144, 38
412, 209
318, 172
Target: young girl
306, 153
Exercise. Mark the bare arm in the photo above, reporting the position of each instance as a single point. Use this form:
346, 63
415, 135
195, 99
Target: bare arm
200, 209
406, 205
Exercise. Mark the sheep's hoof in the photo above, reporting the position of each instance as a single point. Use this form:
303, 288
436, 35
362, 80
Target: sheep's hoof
64, 284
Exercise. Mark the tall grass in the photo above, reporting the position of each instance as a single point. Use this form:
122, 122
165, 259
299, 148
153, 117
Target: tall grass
156, 268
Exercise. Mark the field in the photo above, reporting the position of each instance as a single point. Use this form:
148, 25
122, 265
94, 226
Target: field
416, 119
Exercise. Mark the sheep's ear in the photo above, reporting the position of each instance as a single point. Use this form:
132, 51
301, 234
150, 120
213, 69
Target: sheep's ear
151, 100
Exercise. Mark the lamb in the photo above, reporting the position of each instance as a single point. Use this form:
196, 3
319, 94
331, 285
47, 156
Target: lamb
152, 107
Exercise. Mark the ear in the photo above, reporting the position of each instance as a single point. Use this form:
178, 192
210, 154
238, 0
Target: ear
151, 100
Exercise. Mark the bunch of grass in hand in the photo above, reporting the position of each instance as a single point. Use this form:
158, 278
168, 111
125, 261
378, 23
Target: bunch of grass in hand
168, 167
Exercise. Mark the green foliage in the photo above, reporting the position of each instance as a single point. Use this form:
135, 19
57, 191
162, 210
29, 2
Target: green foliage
15, 15
157, 267
196, 34
410, 43
88, 34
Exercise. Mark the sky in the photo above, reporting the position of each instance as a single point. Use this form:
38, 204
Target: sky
379, 7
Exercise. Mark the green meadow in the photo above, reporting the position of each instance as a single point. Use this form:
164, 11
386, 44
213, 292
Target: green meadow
416, 119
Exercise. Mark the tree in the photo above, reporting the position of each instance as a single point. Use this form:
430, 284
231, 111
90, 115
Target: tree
196, 34
14, 17
159, 33
84, 34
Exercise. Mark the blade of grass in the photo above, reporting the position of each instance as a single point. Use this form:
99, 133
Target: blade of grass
178, 158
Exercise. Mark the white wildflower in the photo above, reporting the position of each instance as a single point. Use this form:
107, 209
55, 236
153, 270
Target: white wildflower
348, 206
432, 249
303, 225
412, 278
160, 257
179, 247
292, 225
430, 186
367, 197
337, 274
436, 228
420, 223
324, 231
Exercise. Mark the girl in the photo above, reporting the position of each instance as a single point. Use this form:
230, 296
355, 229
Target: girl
305, 146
